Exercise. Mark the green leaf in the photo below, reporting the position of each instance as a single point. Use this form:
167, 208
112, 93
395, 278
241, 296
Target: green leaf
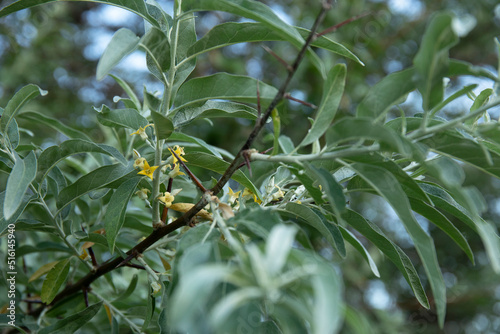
347, 235
459, 67
72, 323
388, 187
186, 37
255, 11
55, 124
130, 289
409, 185
286, 144
334, 191
491, 241
307, 182
230, 33
328, 230
467, 150
53, 154
130, 92
157, 48
115, 211
4, 222
391, 250
333, 89
200, 142
54, 280
163, 126
348, 129
431, 60
211, 109
20, 178
137, 7
217, 165
438, 219
124, 118
13, 134
22, 96
389, 91
224, 86
278, 246
98, 178
123, 42
480, 101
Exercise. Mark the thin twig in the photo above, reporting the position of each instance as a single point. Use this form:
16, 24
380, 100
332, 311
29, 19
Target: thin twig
190, 174
335, 27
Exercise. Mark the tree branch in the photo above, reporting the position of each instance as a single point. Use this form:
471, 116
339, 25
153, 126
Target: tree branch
159, 233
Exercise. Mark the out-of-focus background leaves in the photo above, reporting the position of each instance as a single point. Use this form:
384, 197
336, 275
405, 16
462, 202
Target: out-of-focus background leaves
57, 46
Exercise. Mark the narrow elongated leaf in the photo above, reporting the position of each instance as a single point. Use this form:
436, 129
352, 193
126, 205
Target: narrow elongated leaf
22, 96
130, 289
409, 185
137, 7
125, 118
98, 178
54, 280
217, 165
328, 230
55, 124
123, 42
20, 178
480, 101
307, 182
438, 219
163, 125
391, 250
187, 37
4, 222
333, 90
347, 235
224, 86
490, 238
212, 109
13, 134
256, 11
389, 91
117, 206
491, 241
130, 92
241, 32
72, 323
278, 245
52, 155
42, 270
388, 187
431, 60
334, 191
157, 48
459, 67
469, 151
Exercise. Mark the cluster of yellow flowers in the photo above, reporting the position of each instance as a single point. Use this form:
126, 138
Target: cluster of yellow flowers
147, 170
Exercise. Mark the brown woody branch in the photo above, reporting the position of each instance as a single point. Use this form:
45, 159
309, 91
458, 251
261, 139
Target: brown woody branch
112, 264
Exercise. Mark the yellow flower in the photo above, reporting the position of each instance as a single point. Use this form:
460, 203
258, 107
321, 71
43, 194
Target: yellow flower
248, 193
179, 151
142, 132
233, 196
139, 162
279, 194
175, 172
147, 170
166, 199
156, 287
143, 193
